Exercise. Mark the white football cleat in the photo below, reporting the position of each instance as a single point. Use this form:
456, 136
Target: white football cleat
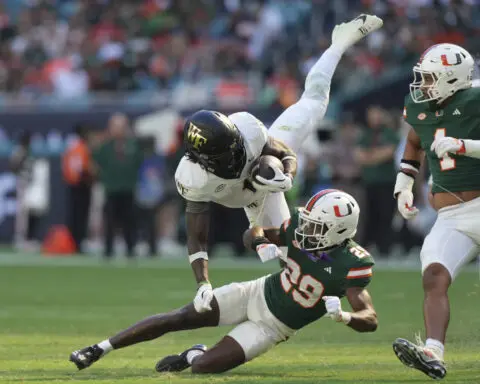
347, 34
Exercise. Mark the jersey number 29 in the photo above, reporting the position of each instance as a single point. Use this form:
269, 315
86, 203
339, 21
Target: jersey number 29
306, 290
446, 163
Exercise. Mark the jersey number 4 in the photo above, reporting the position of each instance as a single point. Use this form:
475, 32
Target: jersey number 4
306, 290
446, 163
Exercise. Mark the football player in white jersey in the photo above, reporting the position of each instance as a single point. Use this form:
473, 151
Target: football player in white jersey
220, 151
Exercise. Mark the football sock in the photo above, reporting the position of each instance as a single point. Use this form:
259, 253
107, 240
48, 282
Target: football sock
436, 347
105, 346
191, 355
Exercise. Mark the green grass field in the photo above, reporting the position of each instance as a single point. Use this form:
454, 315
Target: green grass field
48, 311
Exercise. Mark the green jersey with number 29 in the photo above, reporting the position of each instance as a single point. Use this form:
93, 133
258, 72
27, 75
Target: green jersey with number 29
459, 118
294, 295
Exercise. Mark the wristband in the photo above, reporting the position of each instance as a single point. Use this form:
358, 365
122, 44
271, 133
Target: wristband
204, 282
199, 255
403, 183
258, 241
414, 164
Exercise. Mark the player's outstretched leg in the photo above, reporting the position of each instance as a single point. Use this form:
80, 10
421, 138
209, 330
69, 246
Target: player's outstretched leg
296, 123
428, 358
148, 329
225, 355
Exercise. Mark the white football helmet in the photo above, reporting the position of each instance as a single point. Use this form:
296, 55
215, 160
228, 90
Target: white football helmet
329, 218
442, 70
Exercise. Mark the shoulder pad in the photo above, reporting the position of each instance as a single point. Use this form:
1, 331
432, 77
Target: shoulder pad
253, 131
472, 101
190, 179
360, 255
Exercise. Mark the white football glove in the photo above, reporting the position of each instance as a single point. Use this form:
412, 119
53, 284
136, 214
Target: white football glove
268, 252
444, 145
334, 309
202, 299
280, 182
405, 205
404, 195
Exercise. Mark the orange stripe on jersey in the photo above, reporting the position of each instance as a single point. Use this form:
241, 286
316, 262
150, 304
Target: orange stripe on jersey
359, 276
359, 269
357, 273
315, 198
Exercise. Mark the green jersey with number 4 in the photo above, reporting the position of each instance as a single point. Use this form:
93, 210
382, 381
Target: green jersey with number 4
459, 118
294, 295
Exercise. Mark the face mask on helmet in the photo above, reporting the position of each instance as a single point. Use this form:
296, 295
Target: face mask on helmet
442, 71
329, 218
311, 235
227, 165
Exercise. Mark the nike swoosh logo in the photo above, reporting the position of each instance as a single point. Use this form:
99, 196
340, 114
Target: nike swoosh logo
362, 17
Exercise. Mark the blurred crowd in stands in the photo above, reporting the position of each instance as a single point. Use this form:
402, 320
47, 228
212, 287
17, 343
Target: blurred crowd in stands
71, 47
67, 49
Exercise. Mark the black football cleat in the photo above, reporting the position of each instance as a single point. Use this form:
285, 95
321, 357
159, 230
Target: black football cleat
177, 363
83, 358
419, 357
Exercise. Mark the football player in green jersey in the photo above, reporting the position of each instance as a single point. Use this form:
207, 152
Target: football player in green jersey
443, 112
323, 265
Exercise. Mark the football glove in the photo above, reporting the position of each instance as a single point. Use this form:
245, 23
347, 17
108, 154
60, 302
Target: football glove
334, 309
279, 183
404, 195
268, 252
202, 299
405, 205
444, 145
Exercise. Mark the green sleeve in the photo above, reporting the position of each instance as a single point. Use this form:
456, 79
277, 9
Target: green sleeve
360, 274
473, 104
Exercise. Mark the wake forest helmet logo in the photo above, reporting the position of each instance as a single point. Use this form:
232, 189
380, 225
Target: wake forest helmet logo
194, 136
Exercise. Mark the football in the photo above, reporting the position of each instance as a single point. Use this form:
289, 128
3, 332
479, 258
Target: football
265, 167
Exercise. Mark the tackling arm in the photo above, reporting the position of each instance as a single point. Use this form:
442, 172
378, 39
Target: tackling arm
255, 236
198, 222
265, 241
363, 317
